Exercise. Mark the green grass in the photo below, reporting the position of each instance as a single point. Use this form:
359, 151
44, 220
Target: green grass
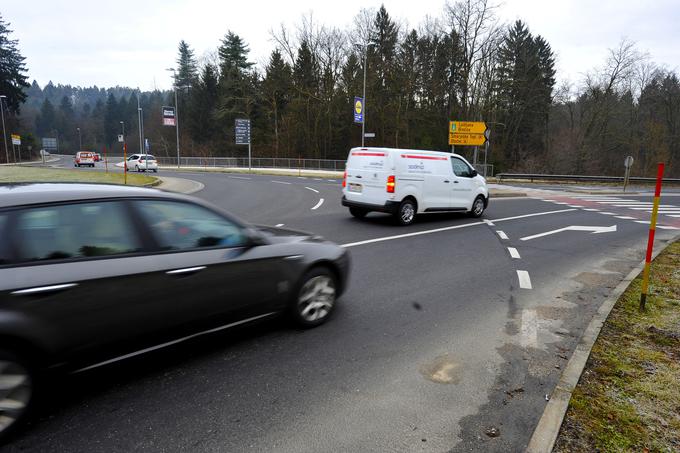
628, 398
9, 174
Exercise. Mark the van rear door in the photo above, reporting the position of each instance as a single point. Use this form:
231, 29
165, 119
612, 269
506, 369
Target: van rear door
367, 176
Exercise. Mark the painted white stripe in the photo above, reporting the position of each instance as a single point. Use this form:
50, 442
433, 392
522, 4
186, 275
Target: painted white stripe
624, 217
514, 253
170, 343
318, 179
591, 209
621, 201
607, 213
559, 202
316, 206
665, 227
313, 190
237, 177
502, 234
454, 227
280, 224
488, 222
673, 215
529, 329
575, 206
524, 279
301, 177
281, 182
646, 222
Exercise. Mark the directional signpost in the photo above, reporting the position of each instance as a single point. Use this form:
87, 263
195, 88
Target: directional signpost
242, 134
467, 133
627, 163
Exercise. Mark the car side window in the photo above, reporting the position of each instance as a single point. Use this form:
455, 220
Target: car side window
460, 168
81, 230
181, 226
4, 253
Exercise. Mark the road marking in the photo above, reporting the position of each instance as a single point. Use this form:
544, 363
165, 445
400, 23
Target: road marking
674, 216
574, 206
318, 179
237, 177
607, 213
313, 190
488, 222
301, 177
332, 180
318, 204
664, 227
502, 234
624, 217
280, 224
642, 221
453, 227
282, 182
591, 209
514, 253
529, 329
590, 229
524, 280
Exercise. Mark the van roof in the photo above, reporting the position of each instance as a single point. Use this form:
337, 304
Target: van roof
402, 150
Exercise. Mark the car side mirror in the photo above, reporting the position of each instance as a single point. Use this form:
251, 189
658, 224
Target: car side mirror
255, 238
473, 173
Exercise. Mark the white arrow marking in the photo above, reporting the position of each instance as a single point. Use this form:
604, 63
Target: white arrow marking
592, 229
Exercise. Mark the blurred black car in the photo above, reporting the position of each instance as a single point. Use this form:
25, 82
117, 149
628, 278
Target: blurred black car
91, 274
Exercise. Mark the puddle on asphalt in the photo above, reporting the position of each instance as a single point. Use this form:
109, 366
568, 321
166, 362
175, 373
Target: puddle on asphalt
443, 370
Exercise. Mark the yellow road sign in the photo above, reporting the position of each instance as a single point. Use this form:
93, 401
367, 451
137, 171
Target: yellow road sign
462, 139
467, 127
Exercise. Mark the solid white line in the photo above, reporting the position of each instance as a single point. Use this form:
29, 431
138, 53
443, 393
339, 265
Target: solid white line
591, 209
524, 280
170, 343
313, 190
280, 224
529, 329
301, 177
514, 253
575, 206
664, 227
624, 217
642, 221
607, 213
237, 177
281, 182
674, 216
502, 234
524, 216
318, 179
316, 206
488, 222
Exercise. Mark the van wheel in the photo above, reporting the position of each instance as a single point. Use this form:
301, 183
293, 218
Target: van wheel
18, 380
477, 207
358, 212
406, 213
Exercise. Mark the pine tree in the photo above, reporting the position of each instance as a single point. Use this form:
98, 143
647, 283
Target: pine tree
13, 80
45, 122
201, 111
112, 117
187, 68
276, 90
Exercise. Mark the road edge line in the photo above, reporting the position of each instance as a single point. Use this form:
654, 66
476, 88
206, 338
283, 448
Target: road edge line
545, 435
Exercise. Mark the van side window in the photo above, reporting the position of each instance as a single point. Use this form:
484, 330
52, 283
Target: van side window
460, 168
4, 253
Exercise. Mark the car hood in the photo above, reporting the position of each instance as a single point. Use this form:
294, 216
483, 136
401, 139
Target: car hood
279, 235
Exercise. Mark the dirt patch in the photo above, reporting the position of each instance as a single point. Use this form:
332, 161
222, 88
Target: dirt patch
442, 370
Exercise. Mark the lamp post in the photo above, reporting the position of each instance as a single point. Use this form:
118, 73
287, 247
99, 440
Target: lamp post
175, 87
4, 133
122, 125
364, 47
80, 140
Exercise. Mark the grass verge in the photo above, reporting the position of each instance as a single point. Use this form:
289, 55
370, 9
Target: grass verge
628, 397
10, 174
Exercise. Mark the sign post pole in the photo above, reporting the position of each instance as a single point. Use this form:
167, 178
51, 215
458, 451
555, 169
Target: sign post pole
242, 137
627, 163
124, 163
650, 241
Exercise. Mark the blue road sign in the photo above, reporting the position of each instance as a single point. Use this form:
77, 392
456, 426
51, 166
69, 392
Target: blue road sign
358, 110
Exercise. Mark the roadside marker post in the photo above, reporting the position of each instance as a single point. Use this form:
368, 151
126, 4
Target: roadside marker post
124, 163
106, 162
650, 241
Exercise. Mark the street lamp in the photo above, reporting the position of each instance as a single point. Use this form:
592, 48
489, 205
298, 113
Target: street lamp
80, 140
175, 87
364, 47
4, 133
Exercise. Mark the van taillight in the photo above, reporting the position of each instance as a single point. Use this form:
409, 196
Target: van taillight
344, 179
390, 184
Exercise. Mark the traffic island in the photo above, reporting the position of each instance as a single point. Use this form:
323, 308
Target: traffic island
628, 397
15, 174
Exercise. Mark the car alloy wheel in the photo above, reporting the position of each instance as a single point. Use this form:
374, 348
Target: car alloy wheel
16, 390
407, 212
316, 299
478, 207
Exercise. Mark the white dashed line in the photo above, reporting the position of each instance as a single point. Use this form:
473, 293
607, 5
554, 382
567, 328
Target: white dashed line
301, 177
591, 209
607, 213
316, 206
237, 177
318, 179
281, 182
574, 206
502, 234
280, 224
529, 329
524, 280
642, 221
624, 217
313, 190
514, 253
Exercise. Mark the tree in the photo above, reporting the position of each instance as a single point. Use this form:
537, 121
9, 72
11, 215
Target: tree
276, 90
45, 122
187, 68
13, 80
202, 107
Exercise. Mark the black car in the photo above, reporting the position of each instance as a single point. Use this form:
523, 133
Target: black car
91, 274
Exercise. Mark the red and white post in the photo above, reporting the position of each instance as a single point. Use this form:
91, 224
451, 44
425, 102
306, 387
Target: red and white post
650, 241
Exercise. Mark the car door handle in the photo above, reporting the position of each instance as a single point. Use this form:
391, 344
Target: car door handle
455, 182
43, 289
186, 270
446, 181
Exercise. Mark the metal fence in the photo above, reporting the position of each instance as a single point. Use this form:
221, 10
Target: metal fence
257, 162
578, 178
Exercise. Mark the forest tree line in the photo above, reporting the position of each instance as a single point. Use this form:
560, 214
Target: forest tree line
463, 65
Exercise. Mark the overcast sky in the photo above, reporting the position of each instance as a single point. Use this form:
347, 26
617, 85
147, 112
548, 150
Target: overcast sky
130, 43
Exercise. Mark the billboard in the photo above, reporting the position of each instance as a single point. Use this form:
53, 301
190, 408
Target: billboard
169, 117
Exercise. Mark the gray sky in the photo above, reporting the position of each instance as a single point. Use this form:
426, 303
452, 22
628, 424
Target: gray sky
130, 43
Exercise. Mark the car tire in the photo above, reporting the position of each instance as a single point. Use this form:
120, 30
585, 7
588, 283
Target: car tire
137, 168
477, 207
20, 380
315, 298
406, 213
155, 171
358, 212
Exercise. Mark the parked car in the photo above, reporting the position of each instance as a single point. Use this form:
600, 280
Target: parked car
92, 274
406, 182
84, 158
97, 157
141, 162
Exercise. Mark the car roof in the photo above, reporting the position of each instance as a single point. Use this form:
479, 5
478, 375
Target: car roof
19, 194
400, 150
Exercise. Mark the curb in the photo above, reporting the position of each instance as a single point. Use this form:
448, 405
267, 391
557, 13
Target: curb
197, 186
545, 435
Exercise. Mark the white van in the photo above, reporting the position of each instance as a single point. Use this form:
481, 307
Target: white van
405, 182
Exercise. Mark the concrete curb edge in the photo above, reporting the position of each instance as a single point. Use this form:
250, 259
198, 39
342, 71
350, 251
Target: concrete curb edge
545, 435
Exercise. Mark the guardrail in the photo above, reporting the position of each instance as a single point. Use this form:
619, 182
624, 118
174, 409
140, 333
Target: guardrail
257, 162
536, 176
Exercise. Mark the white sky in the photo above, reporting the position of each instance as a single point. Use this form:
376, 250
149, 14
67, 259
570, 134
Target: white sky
130, 43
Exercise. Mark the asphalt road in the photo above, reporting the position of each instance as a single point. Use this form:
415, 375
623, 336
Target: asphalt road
438, 339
